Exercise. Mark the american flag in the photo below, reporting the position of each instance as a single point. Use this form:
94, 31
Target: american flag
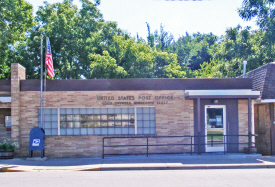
49, 60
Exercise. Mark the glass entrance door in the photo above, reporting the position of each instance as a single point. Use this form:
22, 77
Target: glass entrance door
215, 121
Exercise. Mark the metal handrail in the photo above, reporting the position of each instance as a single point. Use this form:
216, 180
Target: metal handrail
192, 145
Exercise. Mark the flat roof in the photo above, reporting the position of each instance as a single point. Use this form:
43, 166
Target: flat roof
138, 84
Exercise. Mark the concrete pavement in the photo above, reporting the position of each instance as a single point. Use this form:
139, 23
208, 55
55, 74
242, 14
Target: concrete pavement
153, 162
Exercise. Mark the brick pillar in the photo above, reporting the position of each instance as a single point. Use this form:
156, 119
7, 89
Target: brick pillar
18, 73
243, 123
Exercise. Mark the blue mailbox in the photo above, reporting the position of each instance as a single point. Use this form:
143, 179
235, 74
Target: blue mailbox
37, 141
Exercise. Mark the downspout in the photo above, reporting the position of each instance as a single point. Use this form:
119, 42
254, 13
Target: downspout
199, 124
244, 68
272, 129
253, 121
249, 126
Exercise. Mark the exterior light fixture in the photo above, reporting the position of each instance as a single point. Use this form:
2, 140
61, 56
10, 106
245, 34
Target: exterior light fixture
215, 101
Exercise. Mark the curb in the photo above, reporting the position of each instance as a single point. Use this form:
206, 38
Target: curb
90, 169
46, 169
186, 167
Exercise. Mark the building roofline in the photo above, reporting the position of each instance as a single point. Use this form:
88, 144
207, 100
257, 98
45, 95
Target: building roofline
137, 84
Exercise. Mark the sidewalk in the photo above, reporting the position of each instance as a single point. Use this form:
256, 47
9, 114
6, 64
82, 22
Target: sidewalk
153, 162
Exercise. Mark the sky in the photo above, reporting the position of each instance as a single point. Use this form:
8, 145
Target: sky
177, 16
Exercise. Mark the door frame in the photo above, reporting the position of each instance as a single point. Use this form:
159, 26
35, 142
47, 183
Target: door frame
215, 149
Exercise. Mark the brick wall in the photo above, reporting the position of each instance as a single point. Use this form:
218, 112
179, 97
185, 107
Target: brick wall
173, 117
17, 73
243, 122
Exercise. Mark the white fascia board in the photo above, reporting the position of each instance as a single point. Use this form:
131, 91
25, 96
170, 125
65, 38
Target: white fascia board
243, 92
267, 101
5, 99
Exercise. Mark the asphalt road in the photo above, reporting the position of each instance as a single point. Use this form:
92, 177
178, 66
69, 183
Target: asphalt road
151, 178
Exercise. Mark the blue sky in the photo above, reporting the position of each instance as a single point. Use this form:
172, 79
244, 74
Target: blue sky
177, 17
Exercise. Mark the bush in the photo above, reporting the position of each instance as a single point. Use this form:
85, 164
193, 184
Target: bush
8, 145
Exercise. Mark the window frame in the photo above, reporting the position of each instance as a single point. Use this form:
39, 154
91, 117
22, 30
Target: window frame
115, 115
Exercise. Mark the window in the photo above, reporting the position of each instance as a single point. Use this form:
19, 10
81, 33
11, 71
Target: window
99, 121
50, 121
146, 122
7, 121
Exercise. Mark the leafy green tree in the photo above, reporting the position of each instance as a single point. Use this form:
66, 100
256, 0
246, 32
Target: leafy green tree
163, 40
167, 66
74, 35
209, 70
15, 20
136, 58
264, 12
193, 50
105, 67
236, 46
69, 31
150, 37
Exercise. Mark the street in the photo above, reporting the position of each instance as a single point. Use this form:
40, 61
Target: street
167, 178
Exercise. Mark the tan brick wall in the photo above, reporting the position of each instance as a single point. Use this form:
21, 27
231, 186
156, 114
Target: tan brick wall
73, 146
155, 145
17, 73
243, 122
175, 117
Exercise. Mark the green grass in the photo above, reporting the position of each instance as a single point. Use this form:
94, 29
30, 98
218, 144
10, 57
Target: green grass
215, 138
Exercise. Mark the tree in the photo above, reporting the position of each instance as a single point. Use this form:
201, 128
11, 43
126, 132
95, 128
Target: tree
105, 67
15, 20
163, 40
167, 66
193, 50
236, 46
74, 34
150, 37
136, 58
209, 70
264, 12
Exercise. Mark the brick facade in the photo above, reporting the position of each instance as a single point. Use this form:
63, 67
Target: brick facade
174, 117
243, 122
17, 73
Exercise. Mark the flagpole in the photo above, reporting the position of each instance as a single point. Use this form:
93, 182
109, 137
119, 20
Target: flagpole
41, 81
47, 38
45, 76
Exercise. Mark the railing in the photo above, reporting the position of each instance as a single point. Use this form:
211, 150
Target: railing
190, 144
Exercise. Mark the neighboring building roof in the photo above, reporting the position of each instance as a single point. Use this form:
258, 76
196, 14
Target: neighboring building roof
263, 80
137, 84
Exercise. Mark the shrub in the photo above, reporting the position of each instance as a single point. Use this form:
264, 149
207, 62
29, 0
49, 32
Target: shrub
8, 145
